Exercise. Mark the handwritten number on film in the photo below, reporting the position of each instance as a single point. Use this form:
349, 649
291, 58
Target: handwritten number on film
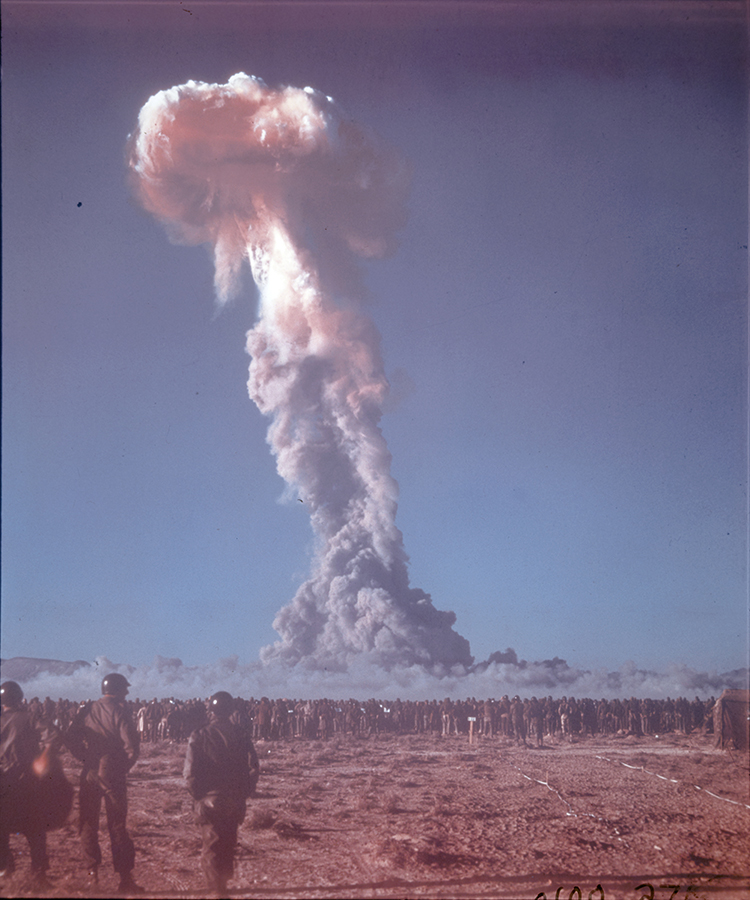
675, 888
575, 894
646, 887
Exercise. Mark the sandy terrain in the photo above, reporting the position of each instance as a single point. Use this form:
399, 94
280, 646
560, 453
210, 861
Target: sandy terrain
423, 816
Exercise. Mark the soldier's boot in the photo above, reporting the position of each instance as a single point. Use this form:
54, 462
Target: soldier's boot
217, 887
128, 886
40, 882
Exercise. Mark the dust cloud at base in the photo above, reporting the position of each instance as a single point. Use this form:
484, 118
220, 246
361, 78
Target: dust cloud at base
171, 678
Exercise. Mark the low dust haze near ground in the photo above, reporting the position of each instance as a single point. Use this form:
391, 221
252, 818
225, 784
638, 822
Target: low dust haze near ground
397, 816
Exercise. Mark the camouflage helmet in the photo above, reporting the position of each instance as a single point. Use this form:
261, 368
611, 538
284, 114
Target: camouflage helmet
115, 684
221, 703
10, 694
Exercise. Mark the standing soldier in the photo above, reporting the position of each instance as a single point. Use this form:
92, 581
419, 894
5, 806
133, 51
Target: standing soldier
696, 714
21, 798
516, 717
535, 716
488, 718
446, 715
263, 719
221, 771
103, 736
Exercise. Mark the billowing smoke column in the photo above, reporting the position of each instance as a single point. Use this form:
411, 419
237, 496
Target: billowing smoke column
280, 179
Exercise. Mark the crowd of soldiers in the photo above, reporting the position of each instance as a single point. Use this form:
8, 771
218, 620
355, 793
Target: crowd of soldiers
284, 719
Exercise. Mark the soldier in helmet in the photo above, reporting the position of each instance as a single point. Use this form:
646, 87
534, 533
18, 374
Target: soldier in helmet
19, 747
104, 737
517, 720
221, 771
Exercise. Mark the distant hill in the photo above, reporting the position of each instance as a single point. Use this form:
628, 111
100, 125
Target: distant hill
25, 668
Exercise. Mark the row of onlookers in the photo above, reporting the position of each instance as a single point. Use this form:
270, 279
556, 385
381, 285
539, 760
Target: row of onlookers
284, 719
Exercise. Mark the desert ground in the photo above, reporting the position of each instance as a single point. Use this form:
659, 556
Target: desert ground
392, 816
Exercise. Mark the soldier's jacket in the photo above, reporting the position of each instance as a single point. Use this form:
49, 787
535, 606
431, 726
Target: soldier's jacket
104, 737
34, 793
221, 760
19, 744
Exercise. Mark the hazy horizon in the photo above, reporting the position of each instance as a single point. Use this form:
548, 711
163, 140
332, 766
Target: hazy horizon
171, 678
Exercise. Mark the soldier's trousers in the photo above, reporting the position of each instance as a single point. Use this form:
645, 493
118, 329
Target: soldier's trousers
18, 814
116, 807
37, 847
219, 816
217, 856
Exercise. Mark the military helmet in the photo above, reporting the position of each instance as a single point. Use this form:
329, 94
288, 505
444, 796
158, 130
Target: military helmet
10, 694
115, 684
221, 703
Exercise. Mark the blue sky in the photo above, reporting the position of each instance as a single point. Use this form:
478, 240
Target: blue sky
563, 325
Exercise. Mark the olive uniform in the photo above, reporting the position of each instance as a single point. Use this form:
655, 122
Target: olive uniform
221, 771
104, 737
19, 747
